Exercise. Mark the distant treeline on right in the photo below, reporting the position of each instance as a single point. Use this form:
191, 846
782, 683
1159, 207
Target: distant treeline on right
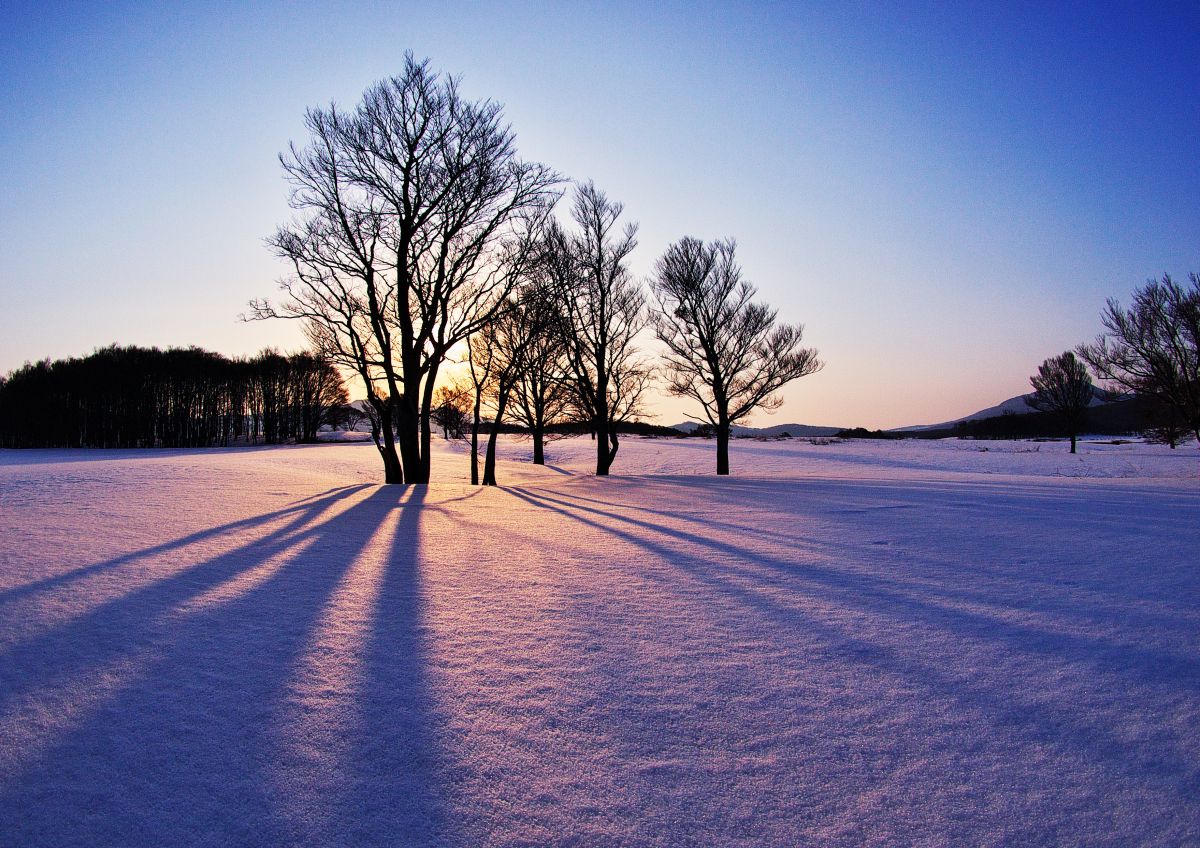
1119, 417
1148, 357
1150, 350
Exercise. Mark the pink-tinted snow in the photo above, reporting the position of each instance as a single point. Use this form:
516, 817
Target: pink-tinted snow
843, 644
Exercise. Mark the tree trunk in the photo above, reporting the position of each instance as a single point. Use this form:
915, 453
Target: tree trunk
539, 449
602, 424
392, 472
722, 431
489, 461
475, 445
1072, 443
426, 434
406, 439
602, 456
385, 442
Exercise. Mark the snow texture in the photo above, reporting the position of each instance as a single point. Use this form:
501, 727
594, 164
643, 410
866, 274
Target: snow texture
876, 643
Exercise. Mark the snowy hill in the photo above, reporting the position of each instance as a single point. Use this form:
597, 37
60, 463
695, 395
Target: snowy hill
1012, 406
894, 642
773, 431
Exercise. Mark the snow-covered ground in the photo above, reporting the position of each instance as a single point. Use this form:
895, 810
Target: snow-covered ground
884, 643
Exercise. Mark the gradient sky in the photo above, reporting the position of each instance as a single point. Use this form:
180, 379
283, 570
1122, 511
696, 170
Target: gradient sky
943, 193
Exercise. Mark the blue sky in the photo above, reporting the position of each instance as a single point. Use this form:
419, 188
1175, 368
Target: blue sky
944, 194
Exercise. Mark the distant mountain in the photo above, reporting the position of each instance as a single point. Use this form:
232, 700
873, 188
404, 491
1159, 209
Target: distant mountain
772, 432
1012, 406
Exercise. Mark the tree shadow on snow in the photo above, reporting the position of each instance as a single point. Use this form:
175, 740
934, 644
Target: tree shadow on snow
182, 713
859, 605
300, 513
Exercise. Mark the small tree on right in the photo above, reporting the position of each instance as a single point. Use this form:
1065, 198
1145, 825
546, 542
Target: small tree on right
1153, 348
723, 350
1063, 387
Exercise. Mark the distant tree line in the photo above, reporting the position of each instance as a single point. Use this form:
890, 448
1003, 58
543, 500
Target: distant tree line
135, 397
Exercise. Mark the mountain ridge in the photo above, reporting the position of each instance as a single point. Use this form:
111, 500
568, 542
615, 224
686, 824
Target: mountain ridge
774, 431
1012, 406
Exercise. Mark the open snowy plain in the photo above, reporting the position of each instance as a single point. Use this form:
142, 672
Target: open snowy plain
914, 643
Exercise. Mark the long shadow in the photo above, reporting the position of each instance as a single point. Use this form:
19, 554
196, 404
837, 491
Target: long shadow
960, 505
182, 751
890, 597
304, 509
59, 456
403, 783
854, 591
127, 621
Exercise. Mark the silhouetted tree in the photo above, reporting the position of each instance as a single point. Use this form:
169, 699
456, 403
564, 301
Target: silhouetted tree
604, 310
416, 213
1164, 427
508, 336
1063, 387
451, 409
317, 393
349, 416
541, 396
723, 350
1153, 348
481, 362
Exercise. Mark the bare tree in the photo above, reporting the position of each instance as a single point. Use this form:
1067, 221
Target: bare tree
349, 417
451, 406
481, 361
1063, 387
541, 396
1163, 425
1153, 348
508, 337
723, 350
604, 308
415, 215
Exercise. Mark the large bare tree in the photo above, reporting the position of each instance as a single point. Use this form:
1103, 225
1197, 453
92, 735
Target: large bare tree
604, 310
723, 350
1063, 387
1153, 347
414, 225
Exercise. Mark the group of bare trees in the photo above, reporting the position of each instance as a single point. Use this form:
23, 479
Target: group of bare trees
421, 234
1150, 350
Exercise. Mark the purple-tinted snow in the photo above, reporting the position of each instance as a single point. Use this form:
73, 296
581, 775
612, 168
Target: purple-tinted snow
874, 643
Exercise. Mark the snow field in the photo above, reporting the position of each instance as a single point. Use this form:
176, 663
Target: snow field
843, 644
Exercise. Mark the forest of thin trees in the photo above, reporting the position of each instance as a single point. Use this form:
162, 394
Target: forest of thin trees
135, 397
